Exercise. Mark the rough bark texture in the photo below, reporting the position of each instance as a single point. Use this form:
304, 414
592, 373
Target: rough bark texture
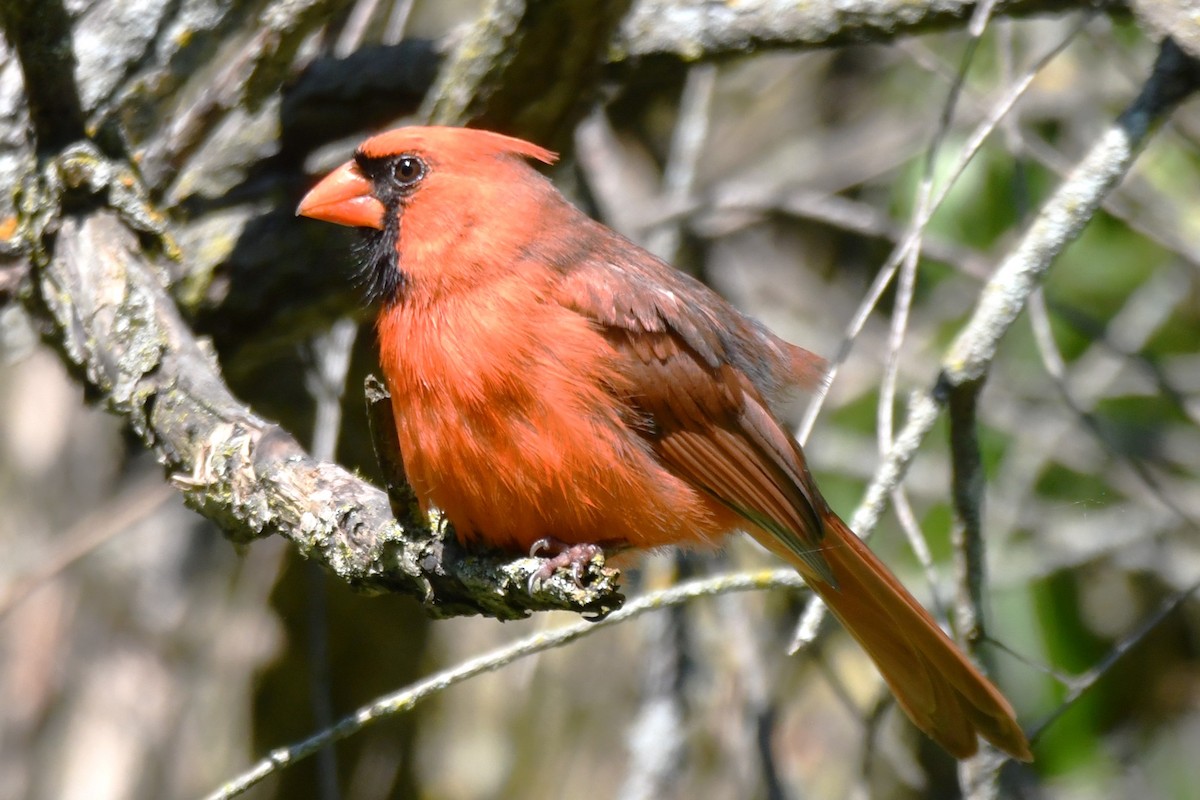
697, 31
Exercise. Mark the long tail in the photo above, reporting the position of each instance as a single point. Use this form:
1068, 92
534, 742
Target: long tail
937, 686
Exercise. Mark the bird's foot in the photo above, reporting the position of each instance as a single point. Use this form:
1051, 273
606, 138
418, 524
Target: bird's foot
575, 556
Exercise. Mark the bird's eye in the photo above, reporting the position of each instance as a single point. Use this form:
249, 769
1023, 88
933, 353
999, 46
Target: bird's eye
408, 170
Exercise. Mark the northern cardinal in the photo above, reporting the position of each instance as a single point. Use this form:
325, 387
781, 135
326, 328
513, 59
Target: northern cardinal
553, 381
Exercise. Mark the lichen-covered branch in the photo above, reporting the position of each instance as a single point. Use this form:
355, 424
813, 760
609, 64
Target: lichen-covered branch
694, 31
108, 312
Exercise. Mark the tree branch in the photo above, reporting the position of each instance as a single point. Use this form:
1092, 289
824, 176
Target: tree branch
512, 70
109, 314
694, 31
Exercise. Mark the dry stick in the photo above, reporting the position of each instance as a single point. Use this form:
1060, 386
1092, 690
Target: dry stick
679, 178
1145, 310
397, 21
835, 211
358, 23
403, 700
907, 517
906, 286
978, 776
1026, 143
866, 517
1080, 684
1062, 218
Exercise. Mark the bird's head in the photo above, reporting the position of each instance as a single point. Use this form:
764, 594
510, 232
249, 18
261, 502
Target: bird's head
419, 191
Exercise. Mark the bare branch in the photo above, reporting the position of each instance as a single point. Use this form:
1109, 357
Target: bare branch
694, 31
1065, 214
1080, 684
915, 233
114, 323
511, 71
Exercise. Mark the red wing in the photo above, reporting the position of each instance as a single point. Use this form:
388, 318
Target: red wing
701, 373
619, 285
710, 427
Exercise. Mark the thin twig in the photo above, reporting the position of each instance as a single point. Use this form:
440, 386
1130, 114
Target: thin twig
883, 278
657, 740
731, 210
1146, 309
907, 517
405, 699
978, 776
687, 143
922, 412
397, 21
1080, 684
355, 31
908, 277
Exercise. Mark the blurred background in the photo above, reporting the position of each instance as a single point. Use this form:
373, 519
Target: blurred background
142, 655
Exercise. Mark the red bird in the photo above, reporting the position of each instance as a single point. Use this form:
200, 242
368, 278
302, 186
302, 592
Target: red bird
551, 380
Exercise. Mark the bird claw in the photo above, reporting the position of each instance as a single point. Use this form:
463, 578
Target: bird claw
575, 556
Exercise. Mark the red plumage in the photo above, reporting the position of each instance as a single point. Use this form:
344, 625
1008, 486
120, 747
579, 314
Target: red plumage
550, 379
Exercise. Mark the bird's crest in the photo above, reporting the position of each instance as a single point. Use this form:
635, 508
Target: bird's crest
452, 144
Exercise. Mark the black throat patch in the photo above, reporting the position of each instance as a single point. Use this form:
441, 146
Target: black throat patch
379, 275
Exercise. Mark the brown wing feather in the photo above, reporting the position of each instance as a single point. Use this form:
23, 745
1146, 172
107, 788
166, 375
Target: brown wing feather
703, 430
703, 375
621, 286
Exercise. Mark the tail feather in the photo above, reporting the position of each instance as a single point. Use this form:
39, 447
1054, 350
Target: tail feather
937, 686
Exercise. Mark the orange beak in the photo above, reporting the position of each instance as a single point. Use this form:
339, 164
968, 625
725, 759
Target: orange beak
344, 198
